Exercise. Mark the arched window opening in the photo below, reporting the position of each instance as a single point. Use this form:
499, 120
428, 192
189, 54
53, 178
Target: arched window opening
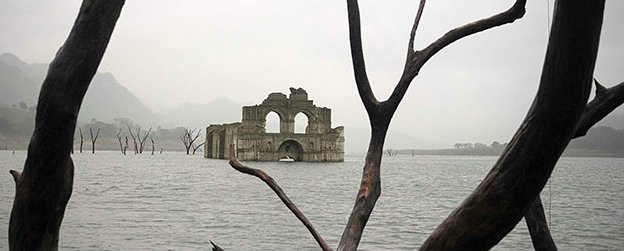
272, 123
301, 123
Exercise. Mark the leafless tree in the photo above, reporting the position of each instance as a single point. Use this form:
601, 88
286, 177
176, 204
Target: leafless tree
44, 187
93, 139
152, 139
188, 137
125, 146
142, 139
511, 189
121, 148
81, 139
195, 147
390, 152
136, 146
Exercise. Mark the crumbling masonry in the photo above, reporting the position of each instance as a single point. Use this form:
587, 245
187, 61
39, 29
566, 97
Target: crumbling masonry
319, 143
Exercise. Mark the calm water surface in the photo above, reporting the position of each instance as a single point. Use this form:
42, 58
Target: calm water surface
178, 202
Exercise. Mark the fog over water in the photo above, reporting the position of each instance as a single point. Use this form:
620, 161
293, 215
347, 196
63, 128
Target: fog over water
170, 52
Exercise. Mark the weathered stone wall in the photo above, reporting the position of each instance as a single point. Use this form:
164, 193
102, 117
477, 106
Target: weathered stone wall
319, 143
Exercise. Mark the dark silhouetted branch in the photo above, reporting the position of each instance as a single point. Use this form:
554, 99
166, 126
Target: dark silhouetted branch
215, 247
538, 227
280, 193
494, 208
605, 101
45, 186
380, 113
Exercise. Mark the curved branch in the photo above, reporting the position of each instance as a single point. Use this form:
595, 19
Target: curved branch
280, 193
416, 60
605, 101
357, 56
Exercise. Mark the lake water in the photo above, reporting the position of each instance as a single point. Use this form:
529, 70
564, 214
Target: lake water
178, 202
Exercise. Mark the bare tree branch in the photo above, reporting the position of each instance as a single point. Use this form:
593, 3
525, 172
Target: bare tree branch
538, 227
215, 247
410, 46
94, 139
280, 193
504, 196
380, 113
605, 101
197, 147
136, 148
416, 60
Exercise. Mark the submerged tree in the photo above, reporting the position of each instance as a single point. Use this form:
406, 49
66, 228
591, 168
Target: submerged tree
188, 138
81, 139
93, 139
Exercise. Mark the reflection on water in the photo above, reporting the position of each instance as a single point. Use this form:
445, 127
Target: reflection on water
178, 202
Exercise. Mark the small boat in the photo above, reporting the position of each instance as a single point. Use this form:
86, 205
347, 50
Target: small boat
286, 159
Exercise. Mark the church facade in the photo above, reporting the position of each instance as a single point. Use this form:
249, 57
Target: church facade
319, 143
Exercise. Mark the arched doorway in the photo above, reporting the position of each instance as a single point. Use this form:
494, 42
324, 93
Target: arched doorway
291, 149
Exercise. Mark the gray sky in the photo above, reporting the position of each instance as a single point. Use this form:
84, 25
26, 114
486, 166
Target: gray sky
169, 52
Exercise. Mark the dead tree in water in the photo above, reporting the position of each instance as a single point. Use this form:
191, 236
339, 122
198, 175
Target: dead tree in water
511, 189
81, 139
152, 139
195, 147
143, 139
125, 146
136, 146
188, 137
121, 148
94, 139
43, 188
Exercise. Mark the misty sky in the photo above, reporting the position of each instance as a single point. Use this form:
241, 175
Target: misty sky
169, 52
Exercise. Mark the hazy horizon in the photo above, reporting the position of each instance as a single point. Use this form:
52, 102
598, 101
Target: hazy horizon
167, 53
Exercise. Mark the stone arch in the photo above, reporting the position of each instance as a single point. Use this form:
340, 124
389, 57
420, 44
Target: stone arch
280, 115
301, 123
292, 149
311, 117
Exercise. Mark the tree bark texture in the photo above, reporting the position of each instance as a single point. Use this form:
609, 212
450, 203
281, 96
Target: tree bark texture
605, 101
504, 196
45, 185
380, 112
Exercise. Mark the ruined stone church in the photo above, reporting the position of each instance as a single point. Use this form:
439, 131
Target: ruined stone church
319, 143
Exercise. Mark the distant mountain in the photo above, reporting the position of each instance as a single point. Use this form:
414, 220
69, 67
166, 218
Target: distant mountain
195, 115
600, 138
105, 100
19, 81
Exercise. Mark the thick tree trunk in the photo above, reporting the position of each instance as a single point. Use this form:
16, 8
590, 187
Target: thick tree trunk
44, 187
504, 196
